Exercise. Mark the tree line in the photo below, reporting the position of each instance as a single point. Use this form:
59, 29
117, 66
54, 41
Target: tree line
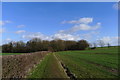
37, 44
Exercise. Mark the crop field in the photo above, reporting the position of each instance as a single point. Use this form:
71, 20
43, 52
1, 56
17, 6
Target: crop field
11, 53
98, 63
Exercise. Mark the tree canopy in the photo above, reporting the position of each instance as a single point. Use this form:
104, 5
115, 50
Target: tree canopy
36, 44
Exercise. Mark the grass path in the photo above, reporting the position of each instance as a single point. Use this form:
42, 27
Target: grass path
48, 68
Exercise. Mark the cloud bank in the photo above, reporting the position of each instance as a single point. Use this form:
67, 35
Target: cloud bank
82, 24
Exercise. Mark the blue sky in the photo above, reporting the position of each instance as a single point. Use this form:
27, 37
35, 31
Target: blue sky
60, 0
68, 21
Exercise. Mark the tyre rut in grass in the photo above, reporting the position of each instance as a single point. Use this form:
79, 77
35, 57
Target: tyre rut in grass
70, 75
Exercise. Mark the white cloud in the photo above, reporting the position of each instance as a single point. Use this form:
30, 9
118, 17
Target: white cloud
2, 30
55, 36
111, 40
1, 23
81, 20
62, 36
20, 31
116, 6
20, 26
66, 36
90, 35
6, 40
81, 24
85, 20
5, 22
69, 34
36, 35
79, 27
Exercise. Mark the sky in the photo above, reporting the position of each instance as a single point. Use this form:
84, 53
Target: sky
91, 21
60, 0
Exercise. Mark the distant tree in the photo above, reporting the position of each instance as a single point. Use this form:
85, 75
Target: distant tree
101, 43
37, 44
7, 48
34, 44
19, 47
90, 45
70, 45
94, 44
57, 45
50, 49
60, 45
82, 44
108, 44
53, 45
45, 45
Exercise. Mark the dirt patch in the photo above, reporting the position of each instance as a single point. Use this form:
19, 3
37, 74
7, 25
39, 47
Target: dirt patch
18, 66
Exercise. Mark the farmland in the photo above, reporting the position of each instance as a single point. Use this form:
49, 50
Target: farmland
18, 66
48, 68
65, 39
96, 63
11, 53
99, 63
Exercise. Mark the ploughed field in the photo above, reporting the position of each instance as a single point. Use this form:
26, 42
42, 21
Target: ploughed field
98, 63
18, 66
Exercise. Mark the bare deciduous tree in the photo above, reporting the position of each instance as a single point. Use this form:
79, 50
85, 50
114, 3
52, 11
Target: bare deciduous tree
101, 43
108, 44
